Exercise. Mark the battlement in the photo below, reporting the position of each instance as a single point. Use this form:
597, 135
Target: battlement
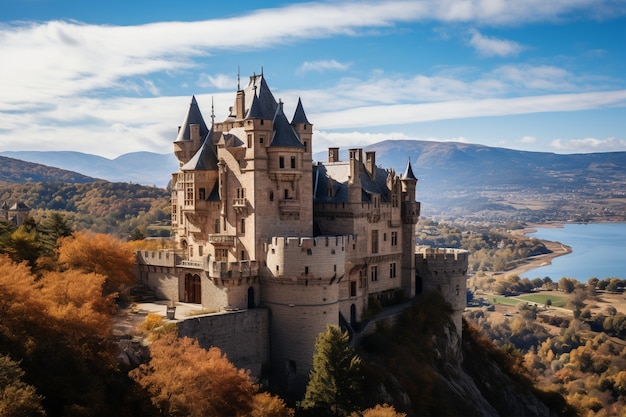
448, 260
306, 259
168, 258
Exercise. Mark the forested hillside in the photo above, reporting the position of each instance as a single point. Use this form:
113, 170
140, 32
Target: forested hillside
100, 206
17, 171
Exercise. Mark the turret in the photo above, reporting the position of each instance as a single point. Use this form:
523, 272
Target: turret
191, 133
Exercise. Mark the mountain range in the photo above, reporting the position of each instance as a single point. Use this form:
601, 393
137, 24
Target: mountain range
458, 179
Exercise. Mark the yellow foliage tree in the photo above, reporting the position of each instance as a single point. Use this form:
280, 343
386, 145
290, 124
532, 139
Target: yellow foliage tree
100, 254
384, 410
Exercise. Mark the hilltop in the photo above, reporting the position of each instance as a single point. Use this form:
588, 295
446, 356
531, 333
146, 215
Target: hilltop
456, 180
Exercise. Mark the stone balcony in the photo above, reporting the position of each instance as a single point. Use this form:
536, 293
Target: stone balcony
233, 270
222, 240
240, 205
289, 206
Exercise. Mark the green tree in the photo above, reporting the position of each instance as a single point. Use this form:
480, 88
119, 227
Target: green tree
336, 381
51, 229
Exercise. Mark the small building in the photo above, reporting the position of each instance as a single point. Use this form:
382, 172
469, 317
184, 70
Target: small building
15, 213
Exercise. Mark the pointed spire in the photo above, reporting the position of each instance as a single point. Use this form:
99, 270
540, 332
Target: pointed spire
212, 113
284, 134
408, 173
238, 79
193, 117
299, 116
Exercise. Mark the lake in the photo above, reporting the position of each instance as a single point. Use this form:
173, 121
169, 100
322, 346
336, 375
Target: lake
598, 250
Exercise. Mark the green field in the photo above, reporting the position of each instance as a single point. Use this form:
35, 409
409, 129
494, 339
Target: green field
557, 301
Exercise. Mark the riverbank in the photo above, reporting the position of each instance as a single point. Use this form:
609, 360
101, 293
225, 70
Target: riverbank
556, 249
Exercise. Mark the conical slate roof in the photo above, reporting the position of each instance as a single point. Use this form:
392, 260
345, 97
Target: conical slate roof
259, 100
204, 159
193, 117
299, 116
284, 135
408, 173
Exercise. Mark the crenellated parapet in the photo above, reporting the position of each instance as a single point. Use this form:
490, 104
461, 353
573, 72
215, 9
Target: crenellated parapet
306, 260
443, 260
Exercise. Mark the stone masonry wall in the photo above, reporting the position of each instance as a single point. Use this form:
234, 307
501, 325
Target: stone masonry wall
242, 335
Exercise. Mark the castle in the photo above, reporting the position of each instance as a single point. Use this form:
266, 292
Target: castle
287, 244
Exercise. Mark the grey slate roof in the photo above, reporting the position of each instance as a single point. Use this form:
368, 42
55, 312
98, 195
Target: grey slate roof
299, 116
284, 134
408, 173
193, 117
336, 175
205, 158
258, 91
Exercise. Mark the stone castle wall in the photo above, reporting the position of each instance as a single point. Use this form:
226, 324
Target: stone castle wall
242, 335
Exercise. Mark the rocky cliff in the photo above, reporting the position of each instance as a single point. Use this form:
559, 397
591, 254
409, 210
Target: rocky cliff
420, 365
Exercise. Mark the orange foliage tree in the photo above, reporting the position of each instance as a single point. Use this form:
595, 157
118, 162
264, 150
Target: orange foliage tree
184, 379
57, 327
101, 254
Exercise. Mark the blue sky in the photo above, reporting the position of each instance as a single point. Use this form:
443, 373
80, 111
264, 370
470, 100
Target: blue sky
113, 77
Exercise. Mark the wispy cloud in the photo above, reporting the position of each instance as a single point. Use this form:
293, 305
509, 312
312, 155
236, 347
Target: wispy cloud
587, 145
457, 109
321, 66
489, 46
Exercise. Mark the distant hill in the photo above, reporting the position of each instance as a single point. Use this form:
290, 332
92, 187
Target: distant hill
455, 179
18, 171
147, 168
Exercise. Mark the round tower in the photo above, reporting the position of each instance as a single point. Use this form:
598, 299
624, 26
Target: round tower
444, 270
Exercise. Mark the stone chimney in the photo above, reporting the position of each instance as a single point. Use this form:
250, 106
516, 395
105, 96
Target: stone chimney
356, 159
240, 105
370, 164
333, 154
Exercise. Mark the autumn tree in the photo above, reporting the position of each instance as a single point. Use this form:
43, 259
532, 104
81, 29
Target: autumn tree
101, 254
184, 379
335, 383
265, 404
17, 399
384, 410
58, 327
23, 245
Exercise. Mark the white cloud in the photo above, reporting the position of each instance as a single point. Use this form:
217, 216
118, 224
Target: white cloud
528, 139
588, 145
454, 109
488, 46
49, 68
219, 81
321, 66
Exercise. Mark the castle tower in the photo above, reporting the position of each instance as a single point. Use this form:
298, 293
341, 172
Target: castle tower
410, 214
445, 270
